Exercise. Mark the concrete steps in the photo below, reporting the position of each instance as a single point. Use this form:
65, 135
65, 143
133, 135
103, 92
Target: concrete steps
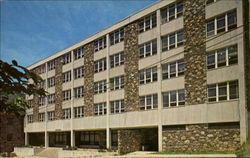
49, 152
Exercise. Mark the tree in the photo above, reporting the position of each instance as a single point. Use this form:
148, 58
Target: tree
14, 85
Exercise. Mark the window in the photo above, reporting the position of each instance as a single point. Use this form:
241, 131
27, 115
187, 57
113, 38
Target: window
172, 40
30, 118
148, 75
172, 12
42, 84
51, 82
148, 102
117, 106
51, 99
66, 113
30, 103
66, 95
41, 117
100, 43
174, 127
224, 22
41, 101
100, 109
78, 92
173, 98
147, 23
66, 76
79, 112
66, 58
173, 69
100, 65
9, 137
222, 57
116, 60
223, 91
148, 49
78, 53
51, 115
100, 87
116, 37
42, 69
51, 65
210, 1
117, 83
78, 72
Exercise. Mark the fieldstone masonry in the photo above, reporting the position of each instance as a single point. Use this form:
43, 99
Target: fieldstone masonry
129, 140
131, 66
195, 52
58, 88
200, 138
89, 79
35, 101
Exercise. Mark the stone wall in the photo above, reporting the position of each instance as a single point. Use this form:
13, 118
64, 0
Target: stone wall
11, 132
35, 101
195, 52
58, 88
129, 140
89, 79
131, 66
200, 138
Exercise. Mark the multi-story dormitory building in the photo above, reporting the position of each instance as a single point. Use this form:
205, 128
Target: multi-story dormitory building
172, 76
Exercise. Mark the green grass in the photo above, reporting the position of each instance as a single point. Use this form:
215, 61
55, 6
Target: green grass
244, 150
194, 152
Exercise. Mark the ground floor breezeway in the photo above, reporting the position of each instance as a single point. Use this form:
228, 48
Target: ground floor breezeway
192, 137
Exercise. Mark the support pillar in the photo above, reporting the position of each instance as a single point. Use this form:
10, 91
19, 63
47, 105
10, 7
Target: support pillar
72, 138
46, 142
159, 138
108, 138
26, 141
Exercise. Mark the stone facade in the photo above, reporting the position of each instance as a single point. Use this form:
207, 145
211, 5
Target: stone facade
89, 79
201, 138
11, 132
131, 66
35, 101
129, 140
58, 88
195, 52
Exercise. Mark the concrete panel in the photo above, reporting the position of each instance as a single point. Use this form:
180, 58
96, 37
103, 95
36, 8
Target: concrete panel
173, 84
78, 82
78, 102
88, 123
67, 85
223, 74
98, 98
51, 73
42, 109
116, 71
116, 48
67, 67
168, 28
51, 90
147, 36
116, 94
66, 104
100, 54
79, 62
148, 62
58, 125
172, 55
51, 107
100, 76
35, 127
149, 88
134, 119
202, 113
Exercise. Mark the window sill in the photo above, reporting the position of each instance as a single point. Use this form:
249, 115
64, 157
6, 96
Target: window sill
172, 107
222, 67
211, 37
148, 83
173, 49
162, 23
216, 102
147, 57
147, 30
117, 66
172, 78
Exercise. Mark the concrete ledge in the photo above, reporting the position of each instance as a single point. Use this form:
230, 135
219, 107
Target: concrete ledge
25, 151
76, 153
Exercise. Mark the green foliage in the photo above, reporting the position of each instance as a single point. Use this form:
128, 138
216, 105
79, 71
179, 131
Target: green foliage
244, 150
101, 150
4, 154
14, 85
70, 148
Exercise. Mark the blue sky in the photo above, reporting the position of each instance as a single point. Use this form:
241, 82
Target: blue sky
32, 30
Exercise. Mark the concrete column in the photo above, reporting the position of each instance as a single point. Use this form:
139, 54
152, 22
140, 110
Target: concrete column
108, 138
72, 138
160, 104
46, 140
26, 141
159, 137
